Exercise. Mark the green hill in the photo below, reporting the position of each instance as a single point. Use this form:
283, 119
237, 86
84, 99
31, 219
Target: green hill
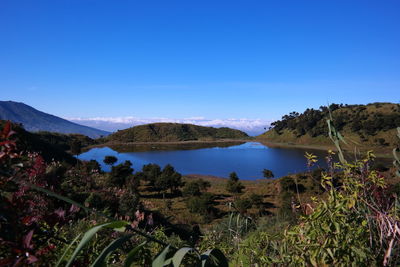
173, 132
371, 126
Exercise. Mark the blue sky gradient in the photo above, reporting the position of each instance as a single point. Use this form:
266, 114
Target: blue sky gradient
214, 59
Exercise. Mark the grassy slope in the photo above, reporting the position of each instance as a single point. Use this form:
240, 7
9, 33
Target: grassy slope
358, 139
270, 189
173, 132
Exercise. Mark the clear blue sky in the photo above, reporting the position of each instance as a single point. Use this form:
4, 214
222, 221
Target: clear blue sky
216, 59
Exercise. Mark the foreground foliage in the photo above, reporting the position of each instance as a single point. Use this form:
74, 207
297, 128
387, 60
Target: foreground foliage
354, 222
357, 224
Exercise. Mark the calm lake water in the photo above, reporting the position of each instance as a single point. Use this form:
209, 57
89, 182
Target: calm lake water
247, 160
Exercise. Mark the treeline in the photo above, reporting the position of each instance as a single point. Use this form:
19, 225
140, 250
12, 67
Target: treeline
361, 119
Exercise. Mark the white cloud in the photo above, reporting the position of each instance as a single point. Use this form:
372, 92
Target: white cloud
251, 126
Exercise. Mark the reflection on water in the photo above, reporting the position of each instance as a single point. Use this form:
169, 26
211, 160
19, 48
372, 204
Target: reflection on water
173, 146
246, 159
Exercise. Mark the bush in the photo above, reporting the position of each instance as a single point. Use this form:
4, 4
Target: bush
128, 203
352, 225
201, 204
287, 184
151, 173
268, 173
120, 173
256, 200
195, 188
95, 201
234, 185
110, 160
169, 179
242, 205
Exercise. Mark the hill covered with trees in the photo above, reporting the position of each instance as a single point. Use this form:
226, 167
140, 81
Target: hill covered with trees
373, 125
173, 132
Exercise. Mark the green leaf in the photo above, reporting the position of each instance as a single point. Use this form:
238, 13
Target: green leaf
67, 249
160, 260
214, 258
130, 258
359, 252
179, 255
89, 235
115, 244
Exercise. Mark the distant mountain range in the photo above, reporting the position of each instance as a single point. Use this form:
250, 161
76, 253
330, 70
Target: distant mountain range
34, 120
173, 132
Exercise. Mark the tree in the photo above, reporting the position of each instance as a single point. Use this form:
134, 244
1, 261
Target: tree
120, 173
268, 173
110, 160
234, 185
169, 179
76, 147
195, 188
151, 172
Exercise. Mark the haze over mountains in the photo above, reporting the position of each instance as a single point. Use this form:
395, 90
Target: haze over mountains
35, 120
112, 124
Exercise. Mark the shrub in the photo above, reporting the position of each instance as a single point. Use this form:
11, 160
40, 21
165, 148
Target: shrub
169, 179
195, 188
234, 185
120, 173
201, 204
151, 172
256, 200
128, 203
242, 205
268, 173
287, 184
355, 224
96, 201
110, 160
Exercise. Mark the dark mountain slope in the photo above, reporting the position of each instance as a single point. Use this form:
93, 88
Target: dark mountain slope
35, 120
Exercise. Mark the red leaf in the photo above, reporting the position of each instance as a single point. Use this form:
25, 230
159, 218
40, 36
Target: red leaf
6, 130
27, 240
32, 259
27, 220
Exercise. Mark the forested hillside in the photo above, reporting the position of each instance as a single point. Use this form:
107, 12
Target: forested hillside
367, 125
173, 132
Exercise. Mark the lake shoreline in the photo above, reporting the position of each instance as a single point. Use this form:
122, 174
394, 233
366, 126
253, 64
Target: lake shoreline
173, 142
173, 145
379, 153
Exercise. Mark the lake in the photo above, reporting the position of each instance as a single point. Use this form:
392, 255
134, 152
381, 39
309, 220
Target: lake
246, 159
